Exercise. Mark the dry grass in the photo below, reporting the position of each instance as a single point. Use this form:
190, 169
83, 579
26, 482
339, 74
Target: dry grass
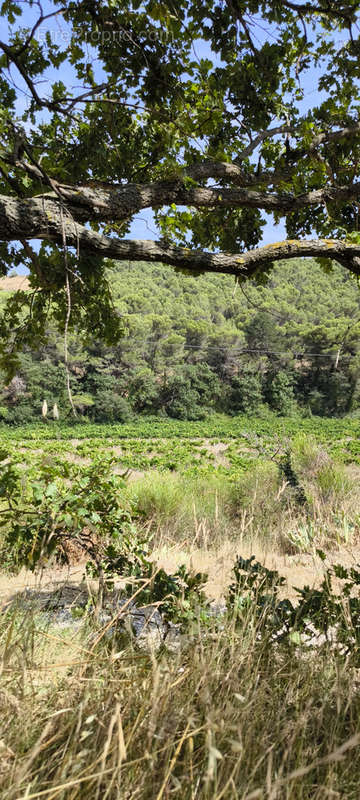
229, 716
14, 283
259, 510
298, 570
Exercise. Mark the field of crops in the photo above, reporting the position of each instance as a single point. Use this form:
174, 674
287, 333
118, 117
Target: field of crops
220, 443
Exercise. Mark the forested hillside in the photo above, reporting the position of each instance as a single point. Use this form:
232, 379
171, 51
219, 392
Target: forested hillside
196, 344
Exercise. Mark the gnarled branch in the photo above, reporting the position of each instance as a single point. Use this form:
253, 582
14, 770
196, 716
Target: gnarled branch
43, 219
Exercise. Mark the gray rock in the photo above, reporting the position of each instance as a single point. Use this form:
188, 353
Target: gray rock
70, 606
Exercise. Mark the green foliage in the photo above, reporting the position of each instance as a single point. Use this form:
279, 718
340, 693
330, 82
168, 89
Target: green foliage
175, 115
194, 346
255, 589
279, 393
47, 516
178, 596
109, 407
245, 393
190, 393
320, 612
144, 391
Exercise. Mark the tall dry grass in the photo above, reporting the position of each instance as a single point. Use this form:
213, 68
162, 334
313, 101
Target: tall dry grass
259, 507
228, 716
181, 508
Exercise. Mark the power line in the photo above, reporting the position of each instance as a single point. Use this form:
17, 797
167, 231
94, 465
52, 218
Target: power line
298, 355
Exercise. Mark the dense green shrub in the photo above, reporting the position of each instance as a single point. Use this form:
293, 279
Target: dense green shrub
327, 612
279, 392
110, 407
245, 393
191, 392
143, 391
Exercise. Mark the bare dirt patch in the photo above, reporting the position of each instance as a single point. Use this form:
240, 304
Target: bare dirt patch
14, 284
218, 450
48, 579
74, 459
300, 570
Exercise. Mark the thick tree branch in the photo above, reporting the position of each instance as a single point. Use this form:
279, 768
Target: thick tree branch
21, 217
242, 264
222, 170
233, 173
49, 224
118, 203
